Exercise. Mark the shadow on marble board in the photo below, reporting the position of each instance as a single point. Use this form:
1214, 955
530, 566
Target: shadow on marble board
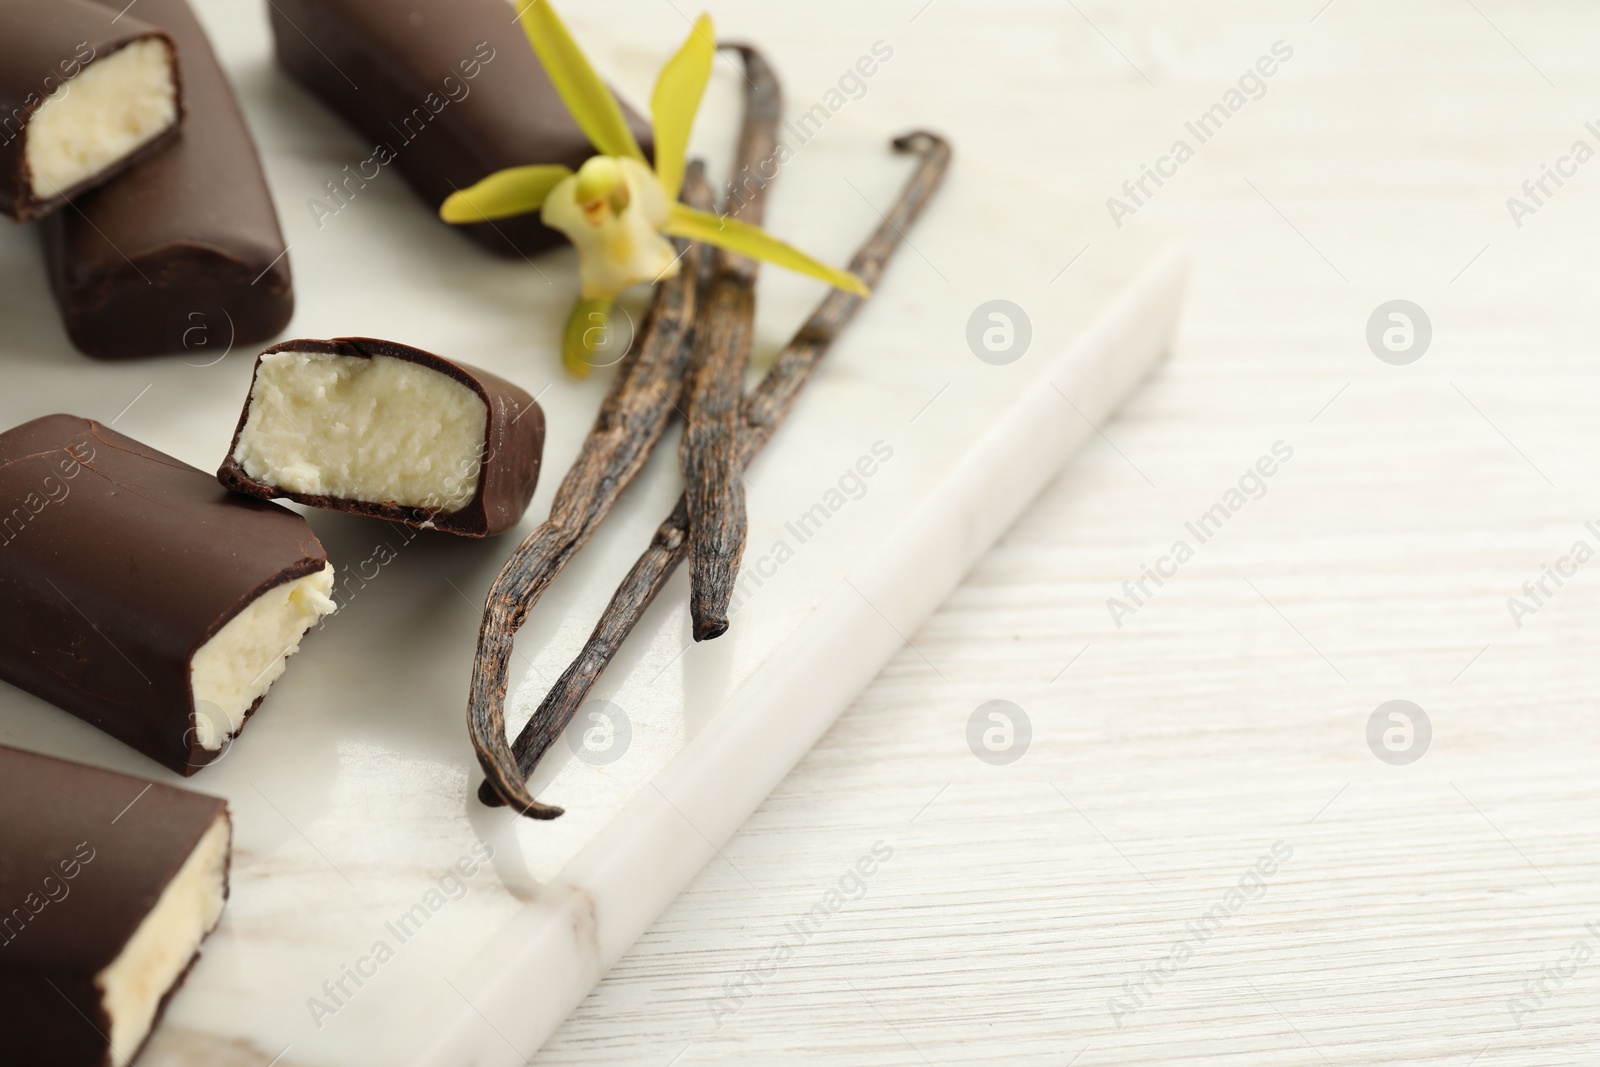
34, 334
406, 597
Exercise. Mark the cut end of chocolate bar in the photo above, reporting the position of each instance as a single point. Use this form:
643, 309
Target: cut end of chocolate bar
134, 984
97, 120
232, 672
111, 885
181, 253
139, 595
376, 429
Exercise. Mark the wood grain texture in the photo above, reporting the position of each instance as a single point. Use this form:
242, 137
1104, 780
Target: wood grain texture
1230, 712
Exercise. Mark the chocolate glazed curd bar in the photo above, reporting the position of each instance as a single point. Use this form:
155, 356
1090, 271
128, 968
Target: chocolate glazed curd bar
185, 244
108, 885
449, 91
81, 97
141, 596
382, 429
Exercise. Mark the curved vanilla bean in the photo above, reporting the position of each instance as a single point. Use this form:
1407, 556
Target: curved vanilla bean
632, 418
762, 413
723, 328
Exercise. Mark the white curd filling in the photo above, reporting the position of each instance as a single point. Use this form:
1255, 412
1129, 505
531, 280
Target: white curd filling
111, 109
381, 430
240, 663
132, 985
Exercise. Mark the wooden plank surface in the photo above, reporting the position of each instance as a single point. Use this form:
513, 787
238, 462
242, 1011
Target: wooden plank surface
1074, 906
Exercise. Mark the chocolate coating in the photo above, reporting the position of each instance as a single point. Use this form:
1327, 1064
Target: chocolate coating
117, 562
513, 447
44, 43
54, 814
186, 244
450, 87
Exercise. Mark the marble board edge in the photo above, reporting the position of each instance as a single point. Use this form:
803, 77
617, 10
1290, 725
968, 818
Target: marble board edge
519, 989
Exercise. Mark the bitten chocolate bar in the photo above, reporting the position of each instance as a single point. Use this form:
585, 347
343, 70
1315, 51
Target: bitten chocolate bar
183, 249
108, 885
449, 91
141, 596
81, 97
378, 428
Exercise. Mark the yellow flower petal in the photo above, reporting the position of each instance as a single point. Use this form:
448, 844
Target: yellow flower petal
756, 243
585, 332
513, 191
597, 112
676, 99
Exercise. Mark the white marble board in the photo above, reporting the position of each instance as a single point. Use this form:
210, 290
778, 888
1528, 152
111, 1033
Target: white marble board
353, 789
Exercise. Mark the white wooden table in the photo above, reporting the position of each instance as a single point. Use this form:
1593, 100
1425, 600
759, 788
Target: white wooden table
1073, 906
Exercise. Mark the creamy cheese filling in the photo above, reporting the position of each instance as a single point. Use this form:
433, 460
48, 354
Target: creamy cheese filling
240, 663
382, 430
132, 985
112, 108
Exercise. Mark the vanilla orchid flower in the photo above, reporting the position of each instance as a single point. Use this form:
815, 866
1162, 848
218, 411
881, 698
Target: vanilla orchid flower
615, 209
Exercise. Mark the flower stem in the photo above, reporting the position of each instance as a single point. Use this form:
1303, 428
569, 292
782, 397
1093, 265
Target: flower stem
587, 330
